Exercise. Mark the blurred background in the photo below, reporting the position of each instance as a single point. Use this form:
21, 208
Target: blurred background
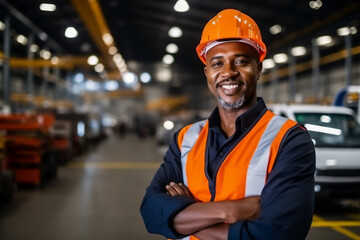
91, 93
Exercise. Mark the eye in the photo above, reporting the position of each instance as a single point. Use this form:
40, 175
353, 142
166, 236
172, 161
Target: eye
215, 64
241, 61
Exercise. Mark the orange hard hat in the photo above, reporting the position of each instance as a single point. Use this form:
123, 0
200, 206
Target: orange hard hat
231, 24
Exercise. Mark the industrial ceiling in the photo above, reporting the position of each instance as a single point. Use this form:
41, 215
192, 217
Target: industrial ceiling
139, 30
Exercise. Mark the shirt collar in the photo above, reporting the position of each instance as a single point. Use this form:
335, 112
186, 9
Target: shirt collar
245, 120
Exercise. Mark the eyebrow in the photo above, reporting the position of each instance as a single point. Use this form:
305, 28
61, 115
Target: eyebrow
236, 55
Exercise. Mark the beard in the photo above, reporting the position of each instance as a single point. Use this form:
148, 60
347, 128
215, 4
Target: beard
230, 106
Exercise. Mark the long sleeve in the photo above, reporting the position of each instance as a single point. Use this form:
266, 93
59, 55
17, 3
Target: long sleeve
287, 199
158, 208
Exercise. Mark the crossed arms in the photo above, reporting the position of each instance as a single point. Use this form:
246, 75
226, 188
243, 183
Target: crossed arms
210, 220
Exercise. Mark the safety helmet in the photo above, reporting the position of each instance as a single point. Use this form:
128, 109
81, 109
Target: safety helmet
231, 24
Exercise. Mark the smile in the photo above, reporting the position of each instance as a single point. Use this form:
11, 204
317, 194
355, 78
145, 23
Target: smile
229, 87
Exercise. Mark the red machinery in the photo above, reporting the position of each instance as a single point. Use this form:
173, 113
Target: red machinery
28, 147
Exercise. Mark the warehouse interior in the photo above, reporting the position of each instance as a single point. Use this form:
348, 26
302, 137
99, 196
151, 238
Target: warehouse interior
86, 86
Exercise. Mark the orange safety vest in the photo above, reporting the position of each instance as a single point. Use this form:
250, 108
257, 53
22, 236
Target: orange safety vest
245, 169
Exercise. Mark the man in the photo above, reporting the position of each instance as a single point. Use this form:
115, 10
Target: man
244, 173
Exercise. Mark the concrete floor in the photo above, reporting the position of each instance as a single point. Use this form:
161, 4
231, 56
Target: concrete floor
97, 196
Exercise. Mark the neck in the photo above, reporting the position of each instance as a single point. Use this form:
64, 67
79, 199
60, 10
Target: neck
228, 117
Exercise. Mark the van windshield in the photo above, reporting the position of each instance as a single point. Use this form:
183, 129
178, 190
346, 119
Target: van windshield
331, 130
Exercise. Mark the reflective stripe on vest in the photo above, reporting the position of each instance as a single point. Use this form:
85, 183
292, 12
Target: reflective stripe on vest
192, 135
257, 170
246, 167
244, 170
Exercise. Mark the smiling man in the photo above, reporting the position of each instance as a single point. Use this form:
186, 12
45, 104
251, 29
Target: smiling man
244, 173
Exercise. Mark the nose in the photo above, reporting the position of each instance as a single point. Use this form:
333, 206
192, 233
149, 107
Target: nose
229, 71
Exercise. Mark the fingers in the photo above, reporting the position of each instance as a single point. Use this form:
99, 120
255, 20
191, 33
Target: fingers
179, 189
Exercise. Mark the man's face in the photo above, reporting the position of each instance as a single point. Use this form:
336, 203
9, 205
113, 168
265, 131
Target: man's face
232, 70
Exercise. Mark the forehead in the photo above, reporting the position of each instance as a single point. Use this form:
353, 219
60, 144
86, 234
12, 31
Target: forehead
232, 48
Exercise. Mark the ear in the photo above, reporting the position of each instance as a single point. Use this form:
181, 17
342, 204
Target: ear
259, 69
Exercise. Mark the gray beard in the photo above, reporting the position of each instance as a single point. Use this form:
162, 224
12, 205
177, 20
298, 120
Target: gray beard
230, 106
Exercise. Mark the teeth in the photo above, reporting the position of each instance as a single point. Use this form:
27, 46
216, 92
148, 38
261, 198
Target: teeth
229, 86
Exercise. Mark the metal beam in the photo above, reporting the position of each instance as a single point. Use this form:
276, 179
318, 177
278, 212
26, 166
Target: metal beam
35, 29
301, 67
92, 16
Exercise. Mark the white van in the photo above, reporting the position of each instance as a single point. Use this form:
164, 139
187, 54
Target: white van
335, 132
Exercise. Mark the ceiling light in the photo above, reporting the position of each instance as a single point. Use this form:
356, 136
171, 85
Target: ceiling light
280, 58
107, 38
92, 85
145, 77
99, 67
79, 78
163, 75
323, 40
45, 54
353, 30
175, 32
47, 7
54, 60
276, 29
168, 125
168, 59
298, 51
2, 26
268, 63
344, 31
21, 39
112, 50
71, 32
43, 36
181, 6
34, 48
111, 85
315, 4
130, 78
172, 48
92, 60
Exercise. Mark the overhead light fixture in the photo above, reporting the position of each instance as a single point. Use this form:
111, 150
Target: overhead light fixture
107, 38
21, 39
79, 78
45, 54
92, 85
344, 31
175, 32
112, 50
47, 7
280, 58
99, 68
316, 4
34, 48
172, 48
54, 60
145, 77
268, 63
2, 26
92, 60
71, 32
168, 59
276, 29
353, 30
111, 85
130, 78
298, 51
323, 40
181, 6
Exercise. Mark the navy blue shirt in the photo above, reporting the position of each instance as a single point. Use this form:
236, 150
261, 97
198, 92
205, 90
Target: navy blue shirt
286, 200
